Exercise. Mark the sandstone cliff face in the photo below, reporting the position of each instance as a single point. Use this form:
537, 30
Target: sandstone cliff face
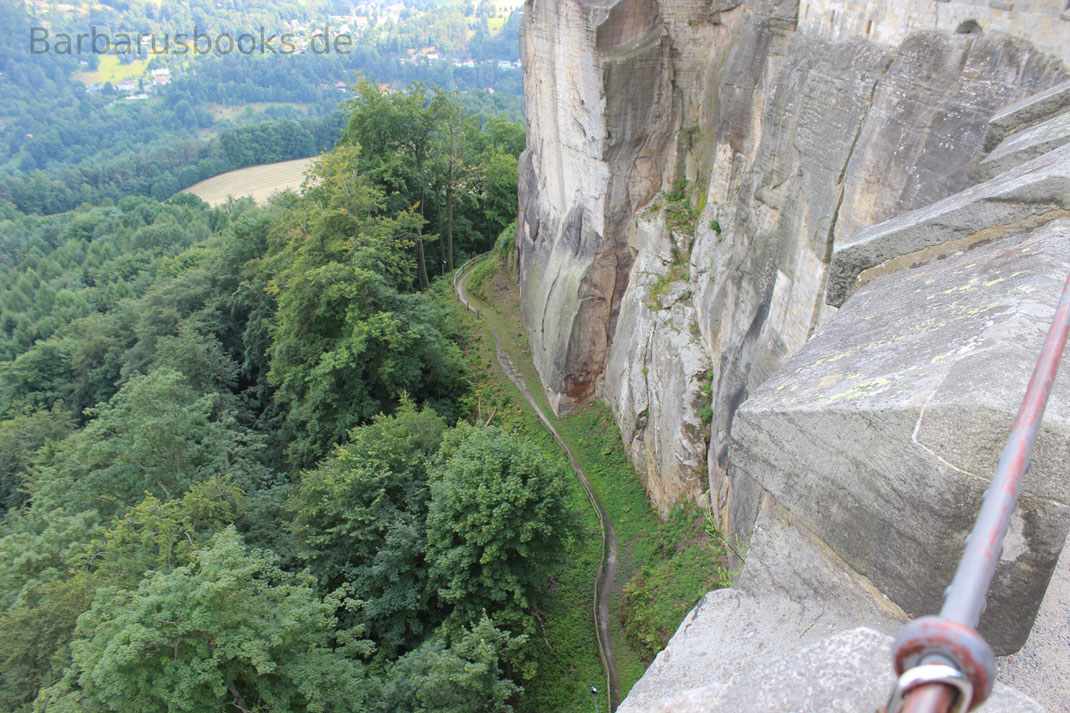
691, 165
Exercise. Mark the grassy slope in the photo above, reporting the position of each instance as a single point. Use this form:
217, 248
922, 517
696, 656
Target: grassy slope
665, 567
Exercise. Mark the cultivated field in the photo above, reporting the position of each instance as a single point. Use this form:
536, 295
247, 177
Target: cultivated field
258, 182
220, 112
502, 9
111, 70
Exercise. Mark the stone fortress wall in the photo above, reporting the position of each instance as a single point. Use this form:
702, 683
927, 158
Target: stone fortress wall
1042, 21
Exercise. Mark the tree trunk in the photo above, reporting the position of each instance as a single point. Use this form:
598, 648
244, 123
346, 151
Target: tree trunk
441, 243
238, 702
449, 218
421, 266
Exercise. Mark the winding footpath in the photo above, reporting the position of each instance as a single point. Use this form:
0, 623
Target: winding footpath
607, 567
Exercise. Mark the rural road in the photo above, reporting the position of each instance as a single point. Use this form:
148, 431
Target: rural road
607, 568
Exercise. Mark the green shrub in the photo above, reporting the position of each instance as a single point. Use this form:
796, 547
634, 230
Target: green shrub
506, 241
693, 562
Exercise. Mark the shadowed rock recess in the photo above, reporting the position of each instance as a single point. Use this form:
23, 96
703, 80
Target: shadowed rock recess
807, 252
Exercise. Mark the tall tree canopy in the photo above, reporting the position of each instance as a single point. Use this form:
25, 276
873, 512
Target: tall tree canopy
347, 341
156, 436
229, 631
426, 151
361, 519
496, 526
467, 676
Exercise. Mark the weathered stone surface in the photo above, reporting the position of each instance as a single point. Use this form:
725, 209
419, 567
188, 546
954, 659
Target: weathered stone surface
782, 640
1030, 194
791, 133
1025, 113
848, 672
793, 592
598, 90
1027, 145
773, 643
882, 432
1042, 668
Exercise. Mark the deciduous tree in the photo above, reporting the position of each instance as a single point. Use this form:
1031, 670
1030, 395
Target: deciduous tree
157, 436
468, 676
361, 519
229, 631
495, 528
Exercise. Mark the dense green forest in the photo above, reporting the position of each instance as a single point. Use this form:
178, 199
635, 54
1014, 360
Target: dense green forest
250, 456
237, 467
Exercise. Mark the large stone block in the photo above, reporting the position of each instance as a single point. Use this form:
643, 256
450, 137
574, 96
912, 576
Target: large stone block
1033, 192
847, 672
1021, 114
1026, 145
881, 434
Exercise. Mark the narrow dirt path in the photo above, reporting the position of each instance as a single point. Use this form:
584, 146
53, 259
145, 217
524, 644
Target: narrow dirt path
607, 568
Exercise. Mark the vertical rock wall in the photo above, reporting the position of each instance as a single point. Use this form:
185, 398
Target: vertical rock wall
691, 163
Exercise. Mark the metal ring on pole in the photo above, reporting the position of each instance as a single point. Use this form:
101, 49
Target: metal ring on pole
932, 673
958, 643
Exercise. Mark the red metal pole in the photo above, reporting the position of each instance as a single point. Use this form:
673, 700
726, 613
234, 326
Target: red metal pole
966, 598
933, 698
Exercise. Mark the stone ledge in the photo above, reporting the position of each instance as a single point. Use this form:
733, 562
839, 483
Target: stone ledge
1033, 192
1027, 145
1030, 110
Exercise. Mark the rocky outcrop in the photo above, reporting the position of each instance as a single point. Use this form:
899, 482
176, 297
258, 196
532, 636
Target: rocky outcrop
882, 433
756, 231
845, 672
691, 166
864, 457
